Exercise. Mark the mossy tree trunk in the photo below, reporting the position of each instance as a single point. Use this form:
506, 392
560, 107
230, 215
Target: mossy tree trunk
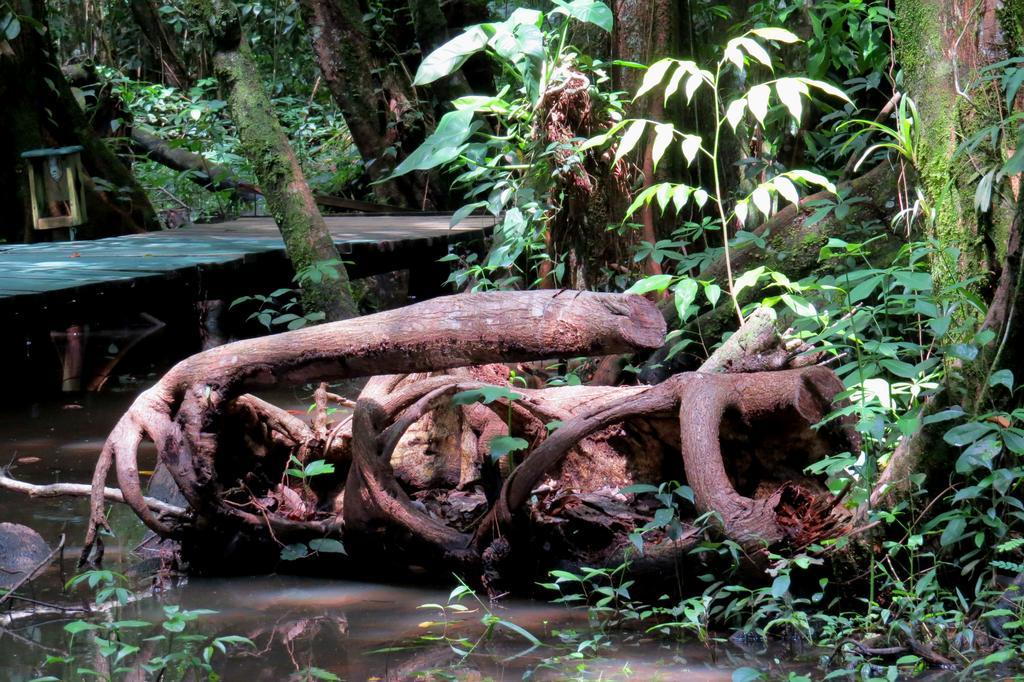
40, 111
264, 143
943, 47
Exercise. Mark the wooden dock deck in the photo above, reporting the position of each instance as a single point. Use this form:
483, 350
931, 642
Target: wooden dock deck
211, 257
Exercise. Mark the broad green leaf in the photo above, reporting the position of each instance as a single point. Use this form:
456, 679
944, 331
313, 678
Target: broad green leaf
690, 146
965, 434
757, 98
779, 35
713, 292
318, 468
1002, 377
747, 279
954, 531
762, 200
327, 545
648, 284
811, 178
503, 445
790, 91
734, 113
663, 135
485, 395
587, 11
450, 57
629, 139
692, 83
291, 552
780, 586
464, 212
732, 54
827, 88
673, 83
680, 195
653, 76
755, 50
787, 189
741, 210
700, 197
442, 146
685, 293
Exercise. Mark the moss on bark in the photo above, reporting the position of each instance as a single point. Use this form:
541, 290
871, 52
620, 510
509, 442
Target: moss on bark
266, 146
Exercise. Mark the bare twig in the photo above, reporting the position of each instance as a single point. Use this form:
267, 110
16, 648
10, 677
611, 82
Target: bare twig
84, 490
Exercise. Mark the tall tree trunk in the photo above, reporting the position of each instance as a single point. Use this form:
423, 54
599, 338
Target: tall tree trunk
284, 185
346, 57
40, 111
165, 54
942, 47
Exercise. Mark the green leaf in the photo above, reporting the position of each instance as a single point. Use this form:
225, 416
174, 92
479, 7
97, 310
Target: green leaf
1003, 377
327, 545
780, 586
485, 395
663, 136
690, 146
503, 445
450, 57
442, 146
746, 675
587, 11
757, 99
294, 551
648, 284
790, 91
76, 626
954, 531
779, 35
747, 279
734, 113
979, 455
629, 139
713, 292
685, 293
785, 187
464, 212
318, 467
653, 76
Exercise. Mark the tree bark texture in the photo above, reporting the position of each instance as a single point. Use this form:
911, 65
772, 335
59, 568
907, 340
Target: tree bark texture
372, 111
264, 143
413, 487
165, 53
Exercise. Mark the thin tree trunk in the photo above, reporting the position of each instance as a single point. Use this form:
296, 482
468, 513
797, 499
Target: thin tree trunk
265, 144
164, 47
346, 56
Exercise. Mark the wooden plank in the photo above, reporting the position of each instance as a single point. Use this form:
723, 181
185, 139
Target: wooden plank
77, 268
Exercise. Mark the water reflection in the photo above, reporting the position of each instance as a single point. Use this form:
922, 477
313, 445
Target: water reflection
354, 631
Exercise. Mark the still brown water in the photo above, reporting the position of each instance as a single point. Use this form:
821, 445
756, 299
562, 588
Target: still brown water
356, 631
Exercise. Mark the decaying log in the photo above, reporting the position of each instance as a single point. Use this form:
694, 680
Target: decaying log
740, 441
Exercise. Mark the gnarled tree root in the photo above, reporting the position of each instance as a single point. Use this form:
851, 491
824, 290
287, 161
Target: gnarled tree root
227, 451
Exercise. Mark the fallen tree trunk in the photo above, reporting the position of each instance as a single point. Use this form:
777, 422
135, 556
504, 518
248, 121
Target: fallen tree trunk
421, 481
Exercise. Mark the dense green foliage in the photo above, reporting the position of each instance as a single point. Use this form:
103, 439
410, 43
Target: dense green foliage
807, 109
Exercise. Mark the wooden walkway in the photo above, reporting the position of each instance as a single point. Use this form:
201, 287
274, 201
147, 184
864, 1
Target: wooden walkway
249, 249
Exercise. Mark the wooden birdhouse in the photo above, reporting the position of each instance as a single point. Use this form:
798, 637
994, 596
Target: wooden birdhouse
55, 187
